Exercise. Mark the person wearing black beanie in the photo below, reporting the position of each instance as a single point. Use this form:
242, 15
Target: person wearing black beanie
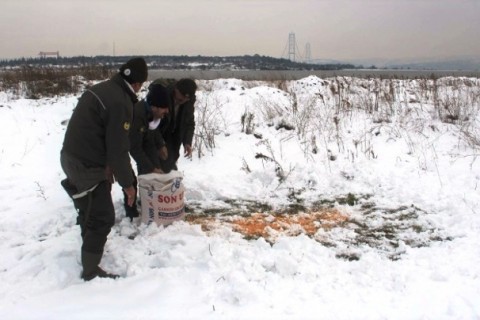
146, 143
134, 70
95, 154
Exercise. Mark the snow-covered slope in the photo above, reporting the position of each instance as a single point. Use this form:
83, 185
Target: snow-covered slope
396, 159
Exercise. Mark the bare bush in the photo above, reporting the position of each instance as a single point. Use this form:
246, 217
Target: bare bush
209, 122
247, 122
280, 172
456, 99
270, 109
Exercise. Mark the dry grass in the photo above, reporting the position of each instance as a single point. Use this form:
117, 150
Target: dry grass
38, 82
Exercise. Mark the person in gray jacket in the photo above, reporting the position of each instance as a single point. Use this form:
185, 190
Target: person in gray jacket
146, 143
96, 152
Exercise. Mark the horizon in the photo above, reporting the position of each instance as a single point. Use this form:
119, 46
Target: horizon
357, 61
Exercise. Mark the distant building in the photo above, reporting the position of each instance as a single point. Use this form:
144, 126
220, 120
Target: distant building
44, 54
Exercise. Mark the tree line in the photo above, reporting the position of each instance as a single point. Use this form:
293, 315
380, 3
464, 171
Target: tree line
182, 62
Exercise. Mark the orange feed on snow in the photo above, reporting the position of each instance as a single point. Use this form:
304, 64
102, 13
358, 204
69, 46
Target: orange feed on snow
261, 225
268, 225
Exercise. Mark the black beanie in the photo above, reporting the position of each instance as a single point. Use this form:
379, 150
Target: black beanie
134, 70
187, 87
157, 96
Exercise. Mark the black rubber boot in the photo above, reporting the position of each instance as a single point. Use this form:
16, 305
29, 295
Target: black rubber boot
131, 212
91, 269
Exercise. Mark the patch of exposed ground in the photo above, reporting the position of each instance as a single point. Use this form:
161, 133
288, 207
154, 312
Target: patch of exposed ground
349, 228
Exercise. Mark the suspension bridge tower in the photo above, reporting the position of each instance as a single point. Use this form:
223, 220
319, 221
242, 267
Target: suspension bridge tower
293, 53
291, 46
308, 53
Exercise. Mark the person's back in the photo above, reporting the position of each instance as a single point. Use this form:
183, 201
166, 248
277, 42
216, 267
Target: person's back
86, 131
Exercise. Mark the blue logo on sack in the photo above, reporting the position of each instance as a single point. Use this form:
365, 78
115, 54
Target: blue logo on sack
176, 185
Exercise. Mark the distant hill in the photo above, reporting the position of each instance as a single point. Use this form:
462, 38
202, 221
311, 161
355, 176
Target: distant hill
247, 62
461, 63
452, 64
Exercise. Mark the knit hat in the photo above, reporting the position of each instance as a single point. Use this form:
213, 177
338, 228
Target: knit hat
134, 70
187, 87
157, 96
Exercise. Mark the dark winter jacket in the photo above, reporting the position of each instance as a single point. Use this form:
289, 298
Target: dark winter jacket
97, 135
181, 126
185, 123
144, 143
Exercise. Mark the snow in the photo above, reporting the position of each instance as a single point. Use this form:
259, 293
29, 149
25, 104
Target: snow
408, 249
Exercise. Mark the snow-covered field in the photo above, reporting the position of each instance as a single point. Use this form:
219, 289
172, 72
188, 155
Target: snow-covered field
397, 159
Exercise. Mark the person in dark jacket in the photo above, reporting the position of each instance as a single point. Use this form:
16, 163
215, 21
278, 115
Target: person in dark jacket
180, 127
147, 146
96, 152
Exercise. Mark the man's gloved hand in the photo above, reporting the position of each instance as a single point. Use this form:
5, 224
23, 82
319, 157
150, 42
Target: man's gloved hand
130, 192
158, 170
163, 153
188, 150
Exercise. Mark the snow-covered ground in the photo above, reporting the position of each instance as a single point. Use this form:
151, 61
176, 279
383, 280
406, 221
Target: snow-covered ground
398, 159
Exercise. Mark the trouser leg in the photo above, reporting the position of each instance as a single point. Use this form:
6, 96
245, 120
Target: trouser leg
81, 204
96, 217
99, 220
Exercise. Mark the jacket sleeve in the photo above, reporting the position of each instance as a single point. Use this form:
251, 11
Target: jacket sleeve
117, 126
151, 148
140, 144
158, 137
189, 122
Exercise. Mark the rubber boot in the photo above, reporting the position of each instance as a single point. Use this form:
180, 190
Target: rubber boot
131, 212
91, 269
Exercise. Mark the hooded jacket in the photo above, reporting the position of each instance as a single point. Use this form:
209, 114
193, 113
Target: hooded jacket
97, 135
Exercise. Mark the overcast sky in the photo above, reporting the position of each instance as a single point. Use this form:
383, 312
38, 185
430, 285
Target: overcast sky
335, 29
